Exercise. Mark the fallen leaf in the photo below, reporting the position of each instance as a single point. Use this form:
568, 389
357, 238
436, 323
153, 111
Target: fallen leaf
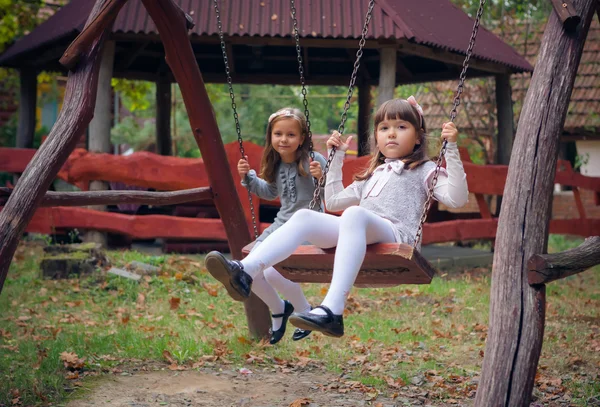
141, 300
210, 289
300, 402
244, 340
72, 361
179, 276
167, 355
174, 301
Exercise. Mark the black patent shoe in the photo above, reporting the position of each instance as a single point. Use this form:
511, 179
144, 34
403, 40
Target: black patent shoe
300, 334
329, 324
278, 334
231, 274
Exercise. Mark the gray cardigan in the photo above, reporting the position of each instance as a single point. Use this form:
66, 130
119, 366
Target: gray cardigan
294, 191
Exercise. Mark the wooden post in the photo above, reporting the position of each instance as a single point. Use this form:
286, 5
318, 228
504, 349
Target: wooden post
163, 116
100, 126
364, 114
27, 104
567, 13
171, 23
387, 74
517, 310
506, 127
77, 111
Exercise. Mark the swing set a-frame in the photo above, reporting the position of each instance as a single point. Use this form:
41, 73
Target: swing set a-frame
520, 271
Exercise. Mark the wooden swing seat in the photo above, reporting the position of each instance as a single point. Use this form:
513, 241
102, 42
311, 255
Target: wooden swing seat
385, 264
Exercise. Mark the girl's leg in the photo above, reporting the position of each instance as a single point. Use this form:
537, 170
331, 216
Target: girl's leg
267, 293
291, 291
358, 228
320, 229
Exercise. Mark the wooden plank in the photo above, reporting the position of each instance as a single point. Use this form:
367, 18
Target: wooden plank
46, 220
545, 268
517, 310
567, 14
117, 197
384, 264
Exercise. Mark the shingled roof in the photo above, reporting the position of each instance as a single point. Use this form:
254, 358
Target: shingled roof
433, 23
477, 113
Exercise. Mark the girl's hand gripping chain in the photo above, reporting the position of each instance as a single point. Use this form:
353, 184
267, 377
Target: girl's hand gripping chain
336, 141
449, 132
315, 169
243, 167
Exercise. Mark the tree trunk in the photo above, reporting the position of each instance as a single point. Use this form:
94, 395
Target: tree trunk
387, 75
517, 310
77, 111
171, 24
100, 126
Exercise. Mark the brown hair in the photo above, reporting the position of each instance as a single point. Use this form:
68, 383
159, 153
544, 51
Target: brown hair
398, 109
271, 158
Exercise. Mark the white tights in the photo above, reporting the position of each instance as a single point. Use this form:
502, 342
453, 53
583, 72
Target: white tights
351, 233
264, 286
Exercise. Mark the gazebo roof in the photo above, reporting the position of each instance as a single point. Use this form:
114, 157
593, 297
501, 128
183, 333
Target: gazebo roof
429, 34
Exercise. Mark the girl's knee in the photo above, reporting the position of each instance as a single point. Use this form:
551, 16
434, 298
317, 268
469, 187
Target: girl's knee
354, 214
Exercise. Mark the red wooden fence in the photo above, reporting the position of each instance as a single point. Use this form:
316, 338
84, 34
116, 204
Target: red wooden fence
174, 173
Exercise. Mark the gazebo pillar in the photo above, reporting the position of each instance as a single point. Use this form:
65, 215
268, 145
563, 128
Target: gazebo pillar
387, 74
506, 125
163, 116
364, 113
100, 126
27, 104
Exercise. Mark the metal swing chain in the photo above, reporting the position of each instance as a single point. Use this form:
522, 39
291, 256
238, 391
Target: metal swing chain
304, 91
234, 108
359, 53
459, 91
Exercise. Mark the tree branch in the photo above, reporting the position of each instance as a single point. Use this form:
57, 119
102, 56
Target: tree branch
118, 197
544, 268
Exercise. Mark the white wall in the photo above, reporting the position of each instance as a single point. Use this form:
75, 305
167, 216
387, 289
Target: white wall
589, 150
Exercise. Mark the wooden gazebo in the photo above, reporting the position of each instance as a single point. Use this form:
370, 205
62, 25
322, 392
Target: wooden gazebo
409, 41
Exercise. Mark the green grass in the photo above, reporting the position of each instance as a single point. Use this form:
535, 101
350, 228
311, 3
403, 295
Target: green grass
401, 333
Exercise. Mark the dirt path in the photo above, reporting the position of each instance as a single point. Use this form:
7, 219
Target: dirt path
227, 388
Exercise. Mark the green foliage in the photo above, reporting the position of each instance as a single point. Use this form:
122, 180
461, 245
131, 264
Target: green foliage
497, 10
135, 95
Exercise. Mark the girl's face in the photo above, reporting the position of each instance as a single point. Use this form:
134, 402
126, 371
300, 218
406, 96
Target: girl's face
286, 138
396, 138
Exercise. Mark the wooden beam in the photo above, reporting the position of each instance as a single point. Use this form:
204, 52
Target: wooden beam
126, 62
117, 197
171, 25
27, 105
100, 127
545, 268
517, 310
387, 75
91, 32
452, 58
163, 116
364, 116
506, 127
74, 117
